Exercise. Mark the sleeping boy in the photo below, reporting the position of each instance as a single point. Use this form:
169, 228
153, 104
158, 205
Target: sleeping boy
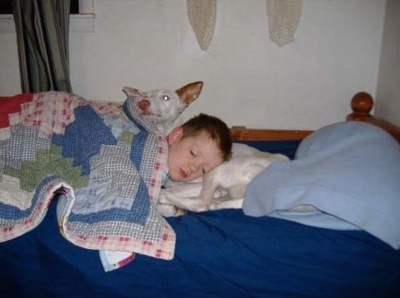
197, 147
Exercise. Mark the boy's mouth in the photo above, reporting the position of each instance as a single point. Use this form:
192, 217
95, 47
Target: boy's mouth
183, 173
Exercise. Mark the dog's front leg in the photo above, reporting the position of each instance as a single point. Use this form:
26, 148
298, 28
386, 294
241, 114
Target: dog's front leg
184, 196
210, 185
229, 204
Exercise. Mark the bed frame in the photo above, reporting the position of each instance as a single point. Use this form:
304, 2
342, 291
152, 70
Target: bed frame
361, 105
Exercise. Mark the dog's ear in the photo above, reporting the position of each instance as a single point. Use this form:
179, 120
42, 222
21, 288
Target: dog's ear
190, 92
132, 92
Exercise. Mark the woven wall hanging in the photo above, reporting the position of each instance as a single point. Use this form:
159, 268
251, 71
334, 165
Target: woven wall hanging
202, 17
283, 19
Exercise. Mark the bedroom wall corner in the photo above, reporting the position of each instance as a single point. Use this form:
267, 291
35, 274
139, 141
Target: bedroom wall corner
387, 99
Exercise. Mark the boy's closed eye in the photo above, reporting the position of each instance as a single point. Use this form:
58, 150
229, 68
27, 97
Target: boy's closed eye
194, 154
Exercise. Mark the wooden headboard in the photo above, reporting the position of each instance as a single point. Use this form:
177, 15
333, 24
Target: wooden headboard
361, 105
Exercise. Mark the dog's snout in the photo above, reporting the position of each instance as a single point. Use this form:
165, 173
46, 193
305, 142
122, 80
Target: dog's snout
144, 104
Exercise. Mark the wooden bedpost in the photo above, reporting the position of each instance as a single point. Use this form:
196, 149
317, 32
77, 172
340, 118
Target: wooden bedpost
361, 105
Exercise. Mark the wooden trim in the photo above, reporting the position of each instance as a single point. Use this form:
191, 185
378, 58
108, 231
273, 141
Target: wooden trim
241, 133
361, 105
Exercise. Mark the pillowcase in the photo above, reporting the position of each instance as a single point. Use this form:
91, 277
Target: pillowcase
349, 171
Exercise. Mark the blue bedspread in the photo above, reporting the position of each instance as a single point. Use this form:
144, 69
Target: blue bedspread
218, 254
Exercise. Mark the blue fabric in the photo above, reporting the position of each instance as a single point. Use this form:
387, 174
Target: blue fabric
83, 150
218, 254
287, 148
79, 143
350, 170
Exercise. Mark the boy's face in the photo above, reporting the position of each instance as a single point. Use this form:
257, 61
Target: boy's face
191, 157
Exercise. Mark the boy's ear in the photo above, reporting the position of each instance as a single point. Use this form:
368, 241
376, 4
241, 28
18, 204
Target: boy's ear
175, 135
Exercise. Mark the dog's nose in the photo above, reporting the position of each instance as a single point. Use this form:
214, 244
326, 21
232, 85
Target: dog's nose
144, 104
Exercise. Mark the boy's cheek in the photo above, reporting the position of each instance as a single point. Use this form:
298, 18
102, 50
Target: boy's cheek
196, 176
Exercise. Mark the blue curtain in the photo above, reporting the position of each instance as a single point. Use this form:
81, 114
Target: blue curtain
42, 28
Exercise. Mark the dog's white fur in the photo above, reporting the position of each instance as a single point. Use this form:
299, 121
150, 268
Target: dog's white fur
224, 186
163, 107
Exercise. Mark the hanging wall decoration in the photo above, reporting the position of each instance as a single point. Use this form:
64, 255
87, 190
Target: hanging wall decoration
202, 17
283, 19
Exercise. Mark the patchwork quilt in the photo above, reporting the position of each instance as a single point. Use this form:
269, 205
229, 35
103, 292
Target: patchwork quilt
101, 163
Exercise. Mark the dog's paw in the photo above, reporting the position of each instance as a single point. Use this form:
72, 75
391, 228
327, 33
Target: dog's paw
220, 193
167, 210
229, 204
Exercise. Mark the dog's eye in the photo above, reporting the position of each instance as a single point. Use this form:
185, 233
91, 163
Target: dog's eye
165, 97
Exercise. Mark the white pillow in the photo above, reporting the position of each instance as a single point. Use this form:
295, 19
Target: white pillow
349, 171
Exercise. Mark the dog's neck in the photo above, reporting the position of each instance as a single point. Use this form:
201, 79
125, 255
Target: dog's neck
166, 127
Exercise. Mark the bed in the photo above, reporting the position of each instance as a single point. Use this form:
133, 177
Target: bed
262, 251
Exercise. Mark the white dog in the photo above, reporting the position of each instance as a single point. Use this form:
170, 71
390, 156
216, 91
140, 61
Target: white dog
223, 187
163, 107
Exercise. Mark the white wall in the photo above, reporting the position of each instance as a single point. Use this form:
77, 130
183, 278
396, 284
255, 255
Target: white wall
388, 92
249, 80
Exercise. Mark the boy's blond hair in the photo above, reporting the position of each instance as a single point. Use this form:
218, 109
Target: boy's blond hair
215, 127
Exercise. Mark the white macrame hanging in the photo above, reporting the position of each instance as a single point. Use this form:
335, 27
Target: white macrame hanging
283, 19
202, 17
